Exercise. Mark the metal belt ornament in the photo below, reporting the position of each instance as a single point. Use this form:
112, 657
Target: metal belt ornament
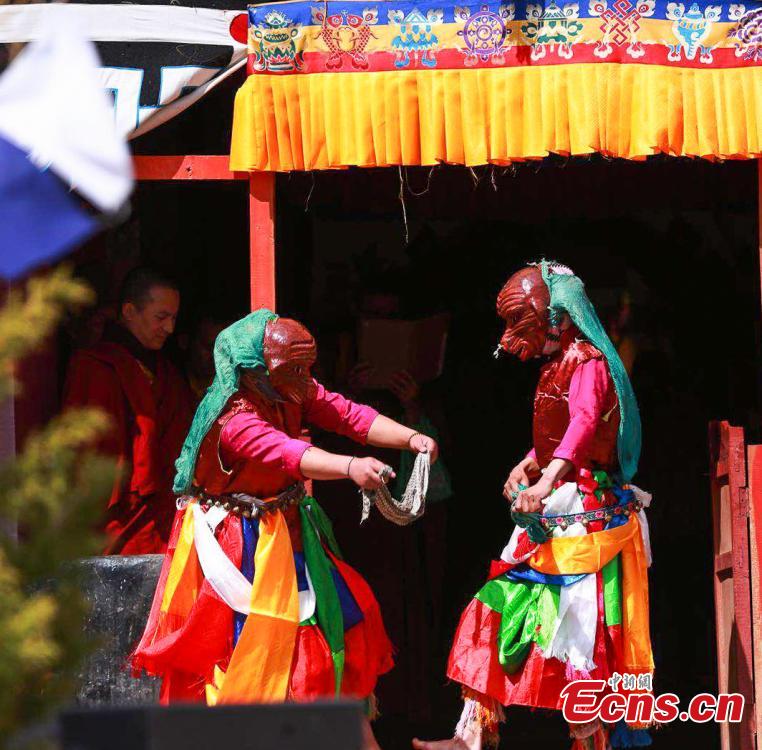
248, 506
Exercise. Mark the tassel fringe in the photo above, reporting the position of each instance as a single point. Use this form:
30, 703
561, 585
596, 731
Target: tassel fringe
481, 717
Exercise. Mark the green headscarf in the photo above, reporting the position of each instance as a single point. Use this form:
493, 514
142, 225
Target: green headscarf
567, 295
239, 346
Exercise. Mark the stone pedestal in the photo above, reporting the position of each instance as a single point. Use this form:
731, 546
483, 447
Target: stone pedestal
120, 590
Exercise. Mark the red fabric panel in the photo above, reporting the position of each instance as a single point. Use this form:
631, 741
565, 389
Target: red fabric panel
474, 662
205, 638
185, 653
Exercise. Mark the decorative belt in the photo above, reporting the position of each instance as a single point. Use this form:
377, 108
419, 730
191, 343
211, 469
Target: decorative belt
540, 528
250, 506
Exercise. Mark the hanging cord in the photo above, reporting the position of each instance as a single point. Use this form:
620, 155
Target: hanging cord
404, 207
413, 503
425, 190
309, 195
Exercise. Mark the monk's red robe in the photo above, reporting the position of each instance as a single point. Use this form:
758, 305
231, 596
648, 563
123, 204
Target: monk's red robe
150, 415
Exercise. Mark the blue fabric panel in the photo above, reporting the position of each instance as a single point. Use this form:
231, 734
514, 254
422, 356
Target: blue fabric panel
250, 531
524, 573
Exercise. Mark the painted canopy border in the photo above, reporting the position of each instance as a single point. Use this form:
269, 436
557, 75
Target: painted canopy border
336, 84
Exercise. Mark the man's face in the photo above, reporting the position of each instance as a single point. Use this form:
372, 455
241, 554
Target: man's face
154, 322
523, 304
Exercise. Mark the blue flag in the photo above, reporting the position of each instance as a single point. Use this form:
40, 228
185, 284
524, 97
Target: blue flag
39, 218
58, 141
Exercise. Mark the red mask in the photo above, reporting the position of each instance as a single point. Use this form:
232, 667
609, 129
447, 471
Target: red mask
290, 353
523, 303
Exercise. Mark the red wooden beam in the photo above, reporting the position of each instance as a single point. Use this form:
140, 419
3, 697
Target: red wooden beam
185, 168
261, 210
262, 239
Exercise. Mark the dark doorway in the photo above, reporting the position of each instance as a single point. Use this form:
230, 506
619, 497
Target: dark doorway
674, 240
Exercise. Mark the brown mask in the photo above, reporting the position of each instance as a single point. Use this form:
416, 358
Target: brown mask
523, 303
290, 354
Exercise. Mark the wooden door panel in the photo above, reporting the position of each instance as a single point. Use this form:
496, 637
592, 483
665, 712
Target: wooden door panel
732, 577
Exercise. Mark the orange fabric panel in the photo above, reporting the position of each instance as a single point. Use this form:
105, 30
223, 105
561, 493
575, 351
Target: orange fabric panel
493, 116
260, 667
588, 554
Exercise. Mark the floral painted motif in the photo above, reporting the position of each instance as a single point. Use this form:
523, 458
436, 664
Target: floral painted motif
747, 35
485, 33
416, 39
691, 28
273, 44
346, 35
550, 28
621, 22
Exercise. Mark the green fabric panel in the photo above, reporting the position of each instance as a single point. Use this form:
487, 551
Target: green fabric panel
547, 614
518, 624
567, 294
492, 594
528, 613
322, 524
612, 593
239, 346
327, 604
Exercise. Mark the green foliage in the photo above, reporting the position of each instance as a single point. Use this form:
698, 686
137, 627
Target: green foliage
50, 497
30, 316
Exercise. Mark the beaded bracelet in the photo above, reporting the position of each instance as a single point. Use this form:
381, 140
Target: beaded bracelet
412, 436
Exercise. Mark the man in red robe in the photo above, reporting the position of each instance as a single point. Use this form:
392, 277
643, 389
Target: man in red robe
128, 377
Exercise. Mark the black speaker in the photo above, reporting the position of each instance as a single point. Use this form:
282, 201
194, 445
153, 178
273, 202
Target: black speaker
330, 725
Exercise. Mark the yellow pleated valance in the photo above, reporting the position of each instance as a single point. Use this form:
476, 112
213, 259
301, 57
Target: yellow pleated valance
338, 84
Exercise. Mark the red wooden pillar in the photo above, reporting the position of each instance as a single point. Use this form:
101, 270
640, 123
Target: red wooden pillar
262, 239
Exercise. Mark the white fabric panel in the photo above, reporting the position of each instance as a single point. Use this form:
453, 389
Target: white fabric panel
574, 637
227, 581
645, 499
307, 599
214, 516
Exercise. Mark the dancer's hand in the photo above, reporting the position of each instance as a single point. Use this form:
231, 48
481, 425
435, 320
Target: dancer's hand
421, 443
531, 499
520, 476
366, 473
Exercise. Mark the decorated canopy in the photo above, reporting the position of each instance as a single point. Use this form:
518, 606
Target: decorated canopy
352, 82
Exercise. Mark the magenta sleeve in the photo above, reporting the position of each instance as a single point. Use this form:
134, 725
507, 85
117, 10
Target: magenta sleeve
588, 392
247, 436
332, 412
